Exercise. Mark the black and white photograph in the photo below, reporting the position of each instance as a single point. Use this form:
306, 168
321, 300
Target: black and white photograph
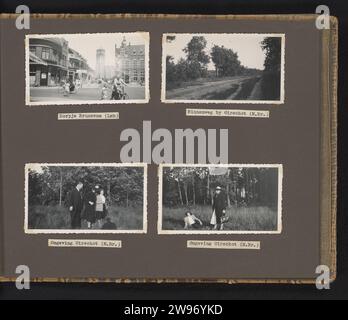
220, 199
88, 68
223, 68
85, 198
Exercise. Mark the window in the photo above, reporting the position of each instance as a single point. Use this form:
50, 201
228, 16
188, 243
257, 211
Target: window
54, 56
45, 53
63, 61
135, 76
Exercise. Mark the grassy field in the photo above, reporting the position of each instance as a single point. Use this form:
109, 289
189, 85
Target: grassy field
57, 217
240, 219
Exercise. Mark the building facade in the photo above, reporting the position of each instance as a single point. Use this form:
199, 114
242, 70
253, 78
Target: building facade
79, 68
48, 61
130, 62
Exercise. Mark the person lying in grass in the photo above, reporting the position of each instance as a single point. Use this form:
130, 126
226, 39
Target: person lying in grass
191, 221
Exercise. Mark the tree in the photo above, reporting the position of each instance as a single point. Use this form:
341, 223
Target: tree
195, 50
272, 48
270, 84
196, 57
170, 69
226, 61
34, 187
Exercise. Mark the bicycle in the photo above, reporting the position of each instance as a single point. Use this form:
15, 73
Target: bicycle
124, 96
119, 95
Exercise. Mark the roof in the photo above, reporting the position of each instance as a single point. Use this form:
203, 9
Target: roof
74, 54
138, 49
58, 41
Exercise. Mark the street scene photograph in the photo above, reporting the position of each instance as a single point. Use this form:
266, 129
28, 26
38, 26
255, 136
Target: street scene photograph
96, 198
219, 199
87, 68
223, 68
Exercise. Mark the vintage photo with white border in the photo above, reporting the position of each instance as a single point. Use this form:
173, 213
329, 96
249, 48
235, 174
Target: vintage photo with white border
220, 199
87, 68
85, 198
223, 68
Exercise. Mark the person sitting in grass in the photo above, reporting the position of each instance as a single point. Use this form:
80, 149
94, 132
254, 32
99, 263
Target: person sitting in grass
191, 221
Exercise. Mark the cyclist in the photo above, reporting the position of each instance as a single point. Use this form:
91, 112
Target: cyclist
118, 88
66, 87
104, 92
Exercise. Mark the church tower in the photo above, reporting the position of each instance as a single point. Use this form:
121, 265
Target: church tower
100, 66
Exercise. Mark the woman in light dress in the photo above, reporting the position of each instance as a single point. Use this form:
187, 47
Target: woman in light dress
100, 207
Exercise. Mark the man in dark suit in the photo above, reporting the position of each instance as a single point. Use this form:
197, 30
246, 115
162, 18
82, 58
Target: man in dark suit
219, 206
75, 206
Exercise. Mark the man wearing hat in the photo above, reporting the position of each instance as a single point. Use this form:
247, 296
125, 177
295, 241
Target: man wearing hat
219, 208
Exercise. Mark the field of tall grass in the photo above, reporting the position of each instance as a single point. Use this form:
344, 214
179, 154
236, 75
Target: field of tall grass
58, 217
240, 218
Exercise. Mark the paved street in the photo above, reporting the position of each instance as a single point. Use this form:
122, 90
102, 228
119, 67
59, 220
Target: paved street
49, 94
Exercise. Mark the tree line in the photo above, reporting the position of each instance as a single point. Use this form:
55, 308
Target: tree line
51, 186
186, 186
194, 65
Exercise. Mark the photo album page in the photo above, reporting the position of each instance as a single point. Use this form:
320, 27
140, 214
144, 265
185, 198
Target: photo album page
141, 148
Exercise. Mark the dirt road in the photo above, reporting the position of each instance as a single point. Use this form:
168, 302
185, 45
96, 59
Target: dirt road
237, 88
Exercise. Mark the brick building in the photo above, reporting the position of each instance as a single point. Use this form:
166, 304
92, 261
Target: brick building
130, 62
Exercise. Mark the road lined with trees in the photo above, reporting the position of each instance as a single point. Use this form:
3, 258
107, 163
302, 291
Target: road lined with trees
189, 78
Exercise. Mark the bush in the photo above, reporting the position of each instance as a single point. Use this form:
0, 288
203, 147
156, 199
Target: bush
270, 85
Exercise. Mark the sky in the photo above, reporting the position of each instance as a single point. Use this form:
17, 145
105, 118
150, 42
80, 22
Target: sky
247, 46
36, 167
87, 44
